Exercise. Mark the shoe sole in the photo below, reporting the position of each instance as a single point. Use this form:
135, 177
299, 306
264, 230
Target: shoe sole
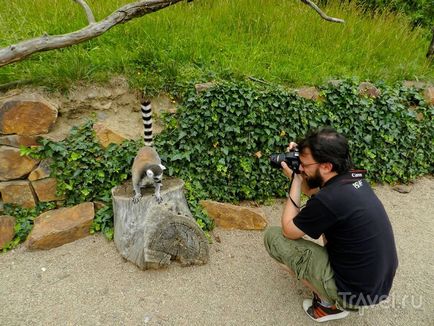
308, 302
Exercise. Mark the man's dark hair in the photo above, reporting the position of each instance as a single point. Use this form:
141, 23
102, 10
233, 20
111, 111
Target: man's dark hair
328, 146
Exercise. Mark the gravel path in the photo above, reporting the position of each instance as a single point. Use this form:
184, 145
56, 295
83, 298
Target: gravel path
88, 283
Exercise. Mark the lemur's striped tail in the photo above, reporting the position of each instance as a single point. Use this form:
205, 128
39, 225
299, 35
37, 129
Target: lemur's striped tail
147, 122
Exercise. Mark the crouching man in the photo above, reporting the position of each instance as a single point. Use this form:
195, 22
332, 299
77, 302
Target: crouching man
357, 265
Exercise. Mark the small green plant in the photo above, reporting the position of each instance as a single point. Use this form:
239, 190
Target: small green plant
24, 218
87, 172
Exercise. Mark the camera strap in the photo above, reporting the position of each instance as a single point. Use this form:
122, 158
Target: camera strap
289, 191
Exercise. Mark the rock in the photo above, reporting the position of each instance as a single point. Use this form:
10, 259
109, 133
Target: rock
413, 84
18, 192
217, 237
7, 229
335, 82
234, 217
429, 95
369, 90
13, 165
99, 205
60, 226
42, 171
403, 189
107, 136
46, 189
203, 87
18, 140
27, 116
310, 93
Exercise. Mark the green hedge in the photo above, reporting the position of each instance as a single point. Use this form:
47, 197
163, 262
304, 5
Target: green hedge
420, 12
220, 140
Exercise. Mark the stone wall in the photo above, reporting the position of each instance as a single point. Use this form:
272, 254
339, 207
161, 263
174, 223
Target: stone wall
26, 115
29, 114
23, 119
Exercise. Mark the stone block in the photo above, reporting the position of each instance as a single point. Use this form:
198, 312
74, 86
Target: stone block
309, 93
42, 171
230, 216
369, 90
13, 165
7, 229
27, 117
18, 140
429, 95
106, 136
46, 189
60, 226
18, 192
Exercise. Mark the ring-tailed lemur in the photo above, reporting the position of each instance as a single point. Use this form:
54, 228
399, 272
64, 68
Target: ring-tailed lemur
147, 168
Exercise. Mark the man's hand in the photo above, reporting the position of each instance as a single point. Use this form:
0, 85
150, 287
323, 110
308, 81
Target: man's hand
291, 146
286, 170
289, 173
301, 177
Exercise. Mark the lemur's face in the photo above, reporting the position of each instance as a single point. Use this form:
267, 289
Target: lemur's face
156, 173
158, 177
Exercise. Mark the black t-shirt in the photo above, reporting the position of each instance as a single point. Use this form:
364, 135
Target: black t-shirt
360, 240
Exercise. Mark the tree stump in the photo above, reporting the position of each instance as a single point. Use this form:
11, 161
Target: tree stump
151, 235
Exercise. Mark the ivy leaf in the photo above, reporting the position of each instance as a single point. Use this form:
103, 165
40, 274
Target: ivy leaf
176, 157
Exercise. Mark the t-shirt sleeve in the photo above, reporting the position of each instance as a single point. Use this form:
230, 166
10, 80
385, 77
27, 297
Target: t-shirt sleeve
314, 219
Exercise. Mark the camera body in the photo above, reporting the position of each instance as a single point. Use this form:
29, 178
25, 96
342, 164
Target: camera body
291, 158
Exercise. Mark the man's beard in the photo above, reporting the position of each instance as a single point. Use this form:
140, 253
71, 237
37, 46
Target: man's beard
314, 181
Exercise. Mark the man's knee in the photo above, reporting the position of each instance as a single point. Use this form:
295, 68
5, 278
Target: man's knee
271, 234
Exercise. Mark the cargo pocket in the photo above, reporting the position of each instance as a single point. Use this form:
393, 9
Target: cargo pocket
301, 262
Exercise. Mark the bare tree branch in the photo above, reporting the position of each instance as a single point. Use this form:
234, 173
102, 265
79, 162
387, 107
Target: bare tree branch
321, 13
130, 11
24, 49
88, 11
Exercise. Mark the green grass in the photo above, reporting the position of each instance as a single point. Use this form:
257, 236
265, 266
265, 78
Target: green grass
279, 41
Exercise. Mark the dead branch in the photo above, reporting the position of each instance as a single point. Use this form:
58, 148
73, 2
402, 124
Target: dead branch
24, 49
321, 13
87, 10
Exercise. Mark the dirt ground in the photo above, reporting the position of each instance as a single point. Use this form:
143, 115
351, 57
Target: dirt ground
88, 283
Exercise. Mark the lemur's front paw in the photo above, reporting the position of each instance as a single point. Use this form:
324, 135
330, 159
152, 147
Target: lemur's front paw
136, 198
159, 199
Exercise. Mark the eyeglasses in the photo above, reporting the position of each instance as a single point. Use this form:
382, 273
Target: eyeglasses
304, 165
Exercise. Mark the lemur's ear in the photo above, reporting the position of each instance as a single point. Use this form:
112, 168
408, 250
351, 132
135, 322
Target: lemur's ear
149, 173
162, 167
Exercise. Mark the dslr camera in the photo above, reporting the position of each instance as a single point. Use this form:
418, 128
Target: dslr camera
291, 158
